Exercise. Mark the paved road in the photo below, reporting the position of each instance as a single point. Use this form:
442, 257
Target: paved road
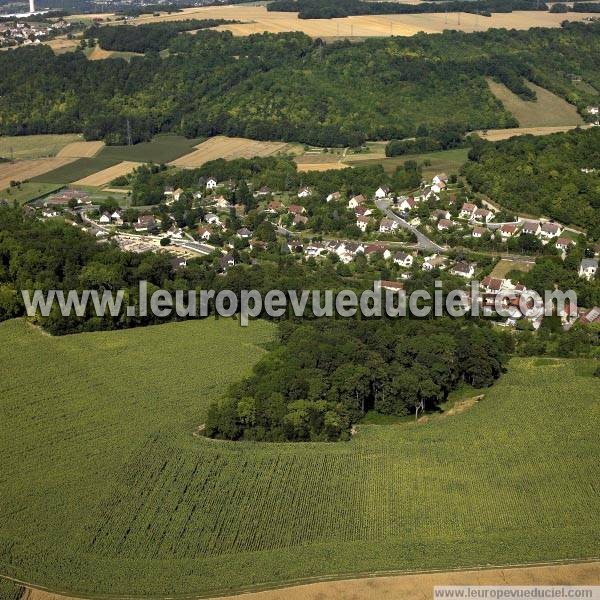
423, 241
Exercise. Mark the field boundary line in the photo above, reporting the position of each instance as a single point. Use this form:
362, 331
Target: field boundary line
301, 581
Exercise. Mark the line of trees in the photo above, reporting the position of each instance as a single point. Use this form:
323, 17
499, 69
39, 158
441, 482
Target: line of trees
149, 37
328, 9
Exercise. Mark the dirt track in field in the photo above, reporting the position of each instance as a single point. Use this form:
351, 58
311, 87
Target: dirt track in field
105, 176
418, 586
26, 169
228, 148
81, 150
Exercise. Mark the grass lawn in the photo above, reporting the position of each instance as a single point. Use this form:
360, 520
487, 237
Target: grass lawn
105, 489
35, 146
505, 265
548, 110
29, 191
448, 161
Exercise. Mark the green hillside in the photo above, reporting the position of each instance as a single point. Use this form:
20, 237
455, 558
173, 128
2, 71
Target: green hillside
106, 491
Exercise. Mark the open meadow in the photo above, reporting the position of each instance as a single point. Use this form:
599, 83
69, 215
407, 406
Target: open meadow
106, 491
21, 147
229, 148
548, 110
447, 161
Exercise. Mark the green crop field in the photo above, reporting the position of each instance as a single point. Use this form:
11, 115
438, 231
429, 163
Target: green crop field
10, 590
29, 191
35, 146
448, 161
78, 169
106, 491
162, 149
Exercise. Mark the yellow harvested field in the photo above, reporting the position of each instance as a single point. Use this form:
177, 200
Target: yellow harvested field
256, 19
60, 45
410, 586
26, 169
81, 150
229, 148
319, 162
104, 177
99, 54
495, 135
321, 166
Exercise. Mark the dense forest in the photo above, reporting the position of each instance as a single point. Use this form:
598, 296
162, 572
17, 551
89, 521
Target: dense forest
324, 375
557, 176
328, 9
291, 87
149, 37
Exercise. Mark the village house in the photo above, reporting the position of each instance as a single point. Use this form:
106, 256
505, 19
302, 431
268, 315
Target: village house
304, 192
362, 211
49, 213
212, 219
222, 203
467, 211
550, 230
381, 192
211, 183
387, 225
483, 215
531, 228
362, 223
177, 194
334, 197
204, 233
407, 204
175, 232
588, 268
178, 263
463, 269
244, 233
440, 178
117, 218
478, 232
403, 259
434, 262
438, 186
104, 218
314, 249
564, 243
356, 201
444, 225
373, 250
491, 285
168, 191
438, 214
300, 220
274, 206
296, 209
226, 261
508, 230
393, 286
145, 223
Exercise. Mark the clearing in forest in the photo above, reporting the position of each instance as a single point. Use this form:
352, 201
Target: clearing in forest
548, 110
